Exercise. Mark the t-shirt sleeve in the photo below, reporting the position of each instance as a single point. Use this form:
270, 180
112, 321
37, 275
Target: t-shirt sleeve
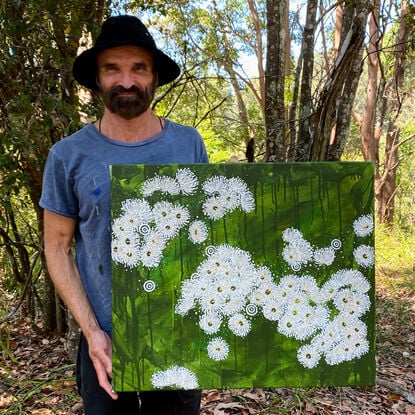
58, 194
203, 156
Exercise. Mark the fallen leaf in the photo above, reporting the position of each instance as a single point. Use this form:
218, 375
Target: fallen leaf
42, 411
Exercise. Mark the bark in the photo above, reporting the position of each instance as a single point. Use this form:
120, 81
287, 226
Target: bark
341, 130
334, 101
304, 136
274, 80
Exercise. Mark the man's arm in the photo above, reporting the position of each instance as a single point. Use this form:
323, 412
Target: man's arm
58, 235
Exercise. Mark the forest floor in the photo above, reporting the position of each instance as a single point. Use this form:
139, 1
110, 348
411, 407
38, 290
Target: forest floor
37, 378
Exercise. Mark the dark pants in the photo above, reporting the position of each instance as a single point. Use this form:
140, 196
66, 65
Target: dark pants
97, 402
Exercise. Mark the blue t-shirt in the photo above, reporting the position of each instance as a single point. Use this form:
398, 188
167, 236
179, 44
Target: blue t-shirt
76, 184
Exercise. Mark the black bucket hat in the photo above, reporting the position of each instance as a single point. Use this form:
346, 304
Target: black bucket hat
122, 31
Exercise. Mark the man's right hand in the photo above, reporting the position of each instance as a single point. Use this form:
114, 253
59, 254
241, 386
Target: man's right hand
100, 352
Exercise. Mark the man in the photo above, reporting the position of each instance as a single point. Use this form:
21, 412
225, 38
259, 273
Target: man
126, 67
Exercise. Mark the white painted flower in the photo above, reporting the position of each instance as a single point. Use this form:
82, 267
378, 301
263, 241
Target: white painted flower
297, 253
291, 235
239, 325
169, 185
151, 254
125, 251
308, 356
120, 226
215, 185
363, 226
354, 279
263, 274
136, 212
150, 186
237, 185
247, 202
322, 343
218, 349
330, 288
167, 229
289, 324
176, 377
161, 211
356, 328
198, 232
308, 285
324, 256
294, 324
214, 208
153, 237
210, 322
234, 303
187, 181
183, 306
180, 215
212, 300
285, 290
273, 310
351, 302
229, 200
268, 291
364, 256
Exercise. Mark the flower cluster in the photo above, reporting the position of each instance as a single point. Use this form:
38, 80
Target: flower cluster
142, 232
298, 251
221, 288
228, 291
226, 195
176, 377
185, 182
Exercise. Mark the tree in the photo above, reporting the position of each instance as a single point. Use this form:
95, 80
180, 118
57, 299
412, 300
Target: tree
319, 118
385, 96
38, 106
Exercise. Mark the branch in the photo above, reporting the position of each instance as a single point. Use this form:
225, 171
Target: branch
398, 390
211, 110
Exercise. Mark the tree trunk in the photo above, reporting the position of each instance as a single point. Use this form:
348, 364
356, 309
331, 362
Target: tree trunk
341, 130
274, 81
334, 105
386, 183
304, 134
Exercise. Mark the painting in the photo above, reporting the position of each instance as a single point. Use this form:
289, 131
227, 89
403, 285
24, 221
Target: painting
242, 275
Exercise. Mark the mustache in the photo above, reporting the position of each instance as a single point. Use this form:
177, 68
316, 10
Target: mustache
121, 90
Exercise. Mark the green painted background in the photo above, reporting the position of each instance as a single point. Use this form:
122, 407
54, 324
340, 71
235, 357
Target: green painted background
322, 200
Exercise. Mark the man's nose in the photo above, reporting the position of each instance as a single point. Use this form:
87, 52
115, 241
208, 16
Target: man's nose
126, 80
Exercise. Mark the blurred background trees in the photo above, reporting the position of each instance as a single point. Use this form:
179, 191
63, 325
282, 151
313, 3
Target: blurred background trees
268, 80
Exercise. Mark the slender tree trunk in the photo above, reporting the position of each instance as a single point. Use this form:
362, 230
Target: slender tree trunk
386, 183
274, 81
304, 135
341, 130
367, 129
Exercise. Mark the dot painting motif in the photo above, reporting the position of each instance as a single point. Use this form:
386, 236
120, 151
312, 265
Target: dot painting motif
242, 275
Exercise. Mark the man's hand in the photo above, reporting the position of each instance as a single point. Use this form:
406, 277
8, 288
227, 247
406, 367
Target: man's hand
100, 352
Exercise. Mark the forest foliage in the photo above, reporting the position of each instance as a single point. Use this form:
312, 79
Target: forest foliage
263, 80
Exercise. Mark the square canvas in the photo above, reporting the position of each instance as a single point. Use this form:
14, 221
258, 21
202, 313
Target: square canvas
243, 275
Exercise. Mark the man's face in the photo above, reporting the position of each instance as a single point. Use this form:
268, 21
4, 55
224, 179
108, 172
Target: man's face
126, 80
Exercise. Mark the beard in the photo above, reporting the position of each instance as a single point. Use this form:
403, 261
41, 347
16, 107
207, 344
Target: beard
131, 106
